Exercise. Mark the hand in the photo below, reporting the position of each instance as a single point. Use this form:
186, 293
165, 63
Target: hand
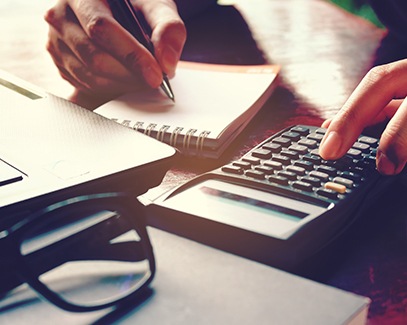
97, 56
380, 96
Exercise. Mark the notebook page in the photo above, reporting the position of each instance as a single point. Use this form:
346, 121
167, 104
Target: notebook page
207, 97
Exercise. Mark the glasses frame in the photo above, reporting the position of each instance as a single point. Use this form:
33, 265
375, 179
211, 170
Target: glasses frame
12, 238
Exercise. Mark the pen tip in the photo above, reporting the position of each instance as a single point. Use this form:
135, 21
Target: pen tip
167, 89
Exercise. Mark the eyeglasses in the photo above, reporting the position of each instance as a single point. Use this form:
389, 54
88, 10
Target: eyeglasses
82, 254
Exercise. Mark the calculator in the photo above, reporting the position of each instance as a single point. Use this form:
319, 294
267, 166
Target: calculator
280, 203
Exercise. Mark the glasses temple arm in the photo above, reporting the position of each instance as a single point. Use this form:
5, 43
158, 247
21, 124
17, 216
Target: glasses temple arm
81, 246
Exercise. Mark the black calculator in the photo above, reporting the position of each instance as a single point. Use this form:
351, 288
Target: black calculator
280, 203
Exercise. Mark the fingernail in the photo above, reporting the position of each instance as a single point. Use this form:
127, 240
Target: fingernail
384, 164
152, 76
169, 60
326, 123
330, 145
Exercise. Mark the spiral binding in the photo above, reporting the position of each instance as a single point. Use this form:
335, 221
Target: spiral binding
150, 128
161, 132
201, 139
174, 135
137, 126
188, 136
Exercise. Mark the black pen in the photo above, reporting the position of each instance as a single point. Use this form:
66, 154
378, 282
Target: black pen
125, 14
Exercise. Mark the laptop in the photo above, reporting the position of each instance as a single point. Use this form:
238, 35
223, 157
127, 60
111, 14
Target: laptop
52, 149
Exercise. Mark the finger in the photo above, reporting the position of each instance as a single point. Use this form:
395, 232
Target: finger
66, 27
99, 25
83, 79
326, 123
52, 14
168, 32
74, 71
372, 95
62, 57
392, 154
388, 111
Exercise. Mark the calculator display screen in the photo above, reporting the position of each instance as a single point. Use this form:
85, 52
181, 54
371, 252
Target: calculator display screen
255, 203
243, 207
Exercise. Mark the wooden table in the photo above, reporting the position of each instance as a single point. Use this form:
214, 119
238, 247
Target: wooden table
324, 52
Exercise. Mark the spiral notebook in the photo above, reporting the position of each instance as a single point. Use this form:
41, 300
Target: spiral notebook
213, 104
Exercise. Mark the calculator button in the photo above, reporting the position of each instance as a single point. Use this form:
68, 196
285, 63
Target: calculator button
287, 174
364, 164
312, 159
315, 136
285, 142
296, 169
343, 181
255, 174
327, 162
320, 131
293, 136
302, 150
302, 186
339, 188
328, 193
308, 143
262, 153
290, 154
307, 165
368, 140
364, 147
358, 170
232, 169
314, 181
273, 164
370, 160
300, 129
315, 152
242, 164
322, 176
331, 171
252, 160
350, 175
265, 169
273, 147
282, 159
278, 179
354, 153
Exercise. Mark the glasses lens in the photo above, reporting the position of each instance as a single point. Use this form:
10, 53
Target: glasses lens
88, 260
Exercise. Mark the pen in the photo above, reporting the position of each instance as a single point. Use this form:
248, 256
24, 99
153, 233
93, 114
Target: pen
125, 14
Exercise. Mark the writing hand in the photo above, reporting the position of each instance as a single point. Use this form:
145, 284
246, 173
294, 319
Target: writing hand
98, 56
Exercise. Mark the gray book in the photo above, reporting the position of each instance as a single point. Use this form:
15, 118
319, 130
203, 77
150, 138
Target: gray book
196, 284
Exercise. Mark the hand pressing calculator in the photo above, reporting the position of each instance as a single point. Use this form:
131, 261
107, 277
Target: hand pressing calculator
280, 203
